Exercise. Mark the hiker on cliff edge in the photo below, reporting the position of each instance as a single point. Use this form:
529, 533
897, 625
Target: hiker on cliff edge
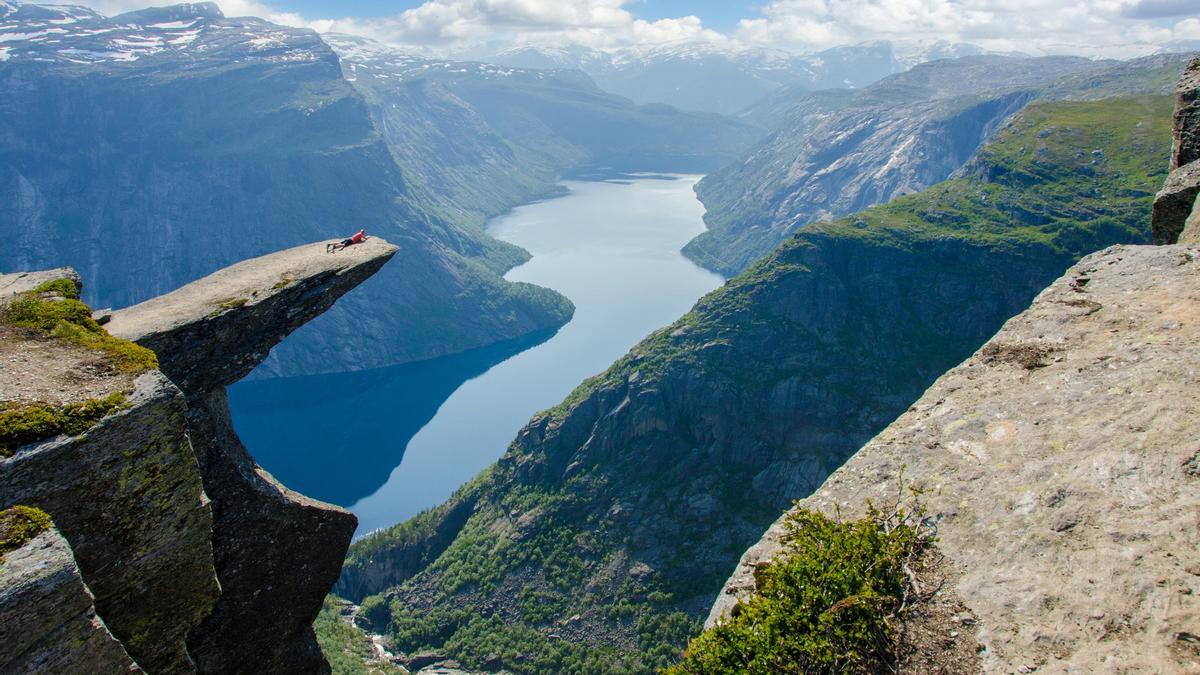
357, 238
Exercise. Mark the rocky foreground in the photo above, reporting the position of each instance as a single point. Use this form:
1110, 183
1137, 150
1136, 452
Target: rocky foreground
197, 559
1060, 463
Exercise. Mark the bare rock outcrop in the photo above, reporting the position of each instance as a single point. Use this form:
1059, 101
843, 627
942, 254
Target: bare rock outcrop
127, 495
1186, 128
277, 552
1061, 466
49, 617
1175, 202
197, 559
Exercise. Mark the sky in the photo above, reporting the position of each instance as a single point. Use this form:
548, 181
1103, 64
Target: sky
1114, 28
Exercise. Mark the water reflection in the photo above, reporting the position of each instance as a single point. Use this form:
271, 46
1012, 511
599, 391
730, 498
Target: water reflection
337, 437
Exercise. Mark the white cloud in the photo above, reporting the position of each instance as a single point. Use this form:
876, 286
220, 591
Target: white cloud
1089, 27
1095, 27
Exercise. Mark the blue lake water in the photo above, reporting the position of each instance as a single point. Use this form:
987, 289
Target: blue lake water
392, 442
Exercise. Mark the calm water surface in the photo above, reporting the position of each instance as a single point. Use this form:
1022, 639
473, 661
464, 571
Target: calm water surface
390, 443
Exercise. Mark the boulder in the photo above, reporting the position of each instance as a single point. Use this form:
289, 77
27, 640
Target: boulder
1173, 204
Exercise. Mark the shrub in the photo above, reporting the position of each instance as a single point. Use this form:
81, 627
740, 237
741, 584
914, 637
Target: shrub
25, 423
18, 525
825, 605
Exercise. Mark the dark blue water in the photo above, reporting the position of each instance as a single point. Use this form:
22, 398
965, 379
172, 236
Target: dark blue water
390, 443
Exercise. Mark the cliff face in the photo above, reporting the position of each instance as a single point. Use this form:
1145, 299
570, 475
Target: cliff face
1060, 465
1175, 214
41, 591
614, 517
128, 497
198, 559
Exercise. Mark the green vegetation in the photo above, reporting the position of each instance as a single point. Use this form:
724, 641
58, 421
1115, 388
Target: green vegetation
18, 525
630, 502
25, 423
827, 604
230, 303
347, 648
826, 156
55, 310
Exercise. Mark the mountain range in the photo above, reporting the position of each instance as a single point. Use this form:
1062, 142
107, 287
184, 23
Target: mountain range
836, 152
727, 79
151, 148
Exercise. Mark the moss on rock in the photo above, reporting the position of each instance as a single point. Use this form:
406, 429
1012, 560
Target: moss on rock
22, 424
65, 317
19, 524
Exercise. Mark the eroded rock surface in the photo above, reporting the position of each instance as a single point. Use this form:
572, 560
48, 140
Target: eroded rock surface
1173, 204
1176, 201
214, 331
277, 552
127, 495
1186, 129
50, 624
1065, 487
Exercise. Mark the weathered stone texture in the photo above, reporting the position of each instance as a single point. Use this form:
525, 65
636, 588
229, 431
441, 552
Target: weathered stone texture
1186, 128
127, 496
1173, 204
214, 331
277, 552
1191, 228
50, 624
1065, 487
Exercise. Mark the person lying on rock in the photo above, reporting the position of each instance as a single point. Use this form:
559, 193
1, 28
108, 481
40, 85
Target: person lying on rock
357, 238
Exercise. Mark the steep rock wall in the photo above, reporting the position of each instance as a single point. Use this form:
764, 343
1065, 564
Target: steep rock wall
127, 495
277, 552
1060, 465
1177, 200
197, 558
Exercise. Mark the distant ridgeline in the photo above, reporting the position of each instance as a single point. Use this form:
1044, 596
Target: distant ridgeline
837, 152
149, 149
599, 540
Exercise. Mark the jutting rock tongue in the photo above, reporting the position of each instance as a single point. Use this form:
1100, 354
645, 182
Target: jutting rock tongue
1174, 218
276, 552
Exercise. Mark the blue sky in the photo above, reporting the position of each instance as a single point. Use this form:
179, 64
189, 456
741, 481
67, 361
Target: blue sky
1111, 28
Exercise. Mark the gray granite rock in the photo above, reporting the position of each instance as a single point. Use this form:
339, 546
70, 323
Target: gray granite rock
277, 552
1186, 128
50, 623
1173, 204
128, 497
1065, 489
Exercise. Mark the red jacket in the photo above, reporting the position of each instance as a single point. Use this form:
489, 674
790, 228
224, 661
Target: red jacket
359, 236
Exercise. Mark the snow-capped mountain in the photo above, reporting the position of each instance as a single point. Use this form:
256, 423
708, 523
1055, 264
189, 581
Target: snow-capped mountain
727, 78
65, 34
